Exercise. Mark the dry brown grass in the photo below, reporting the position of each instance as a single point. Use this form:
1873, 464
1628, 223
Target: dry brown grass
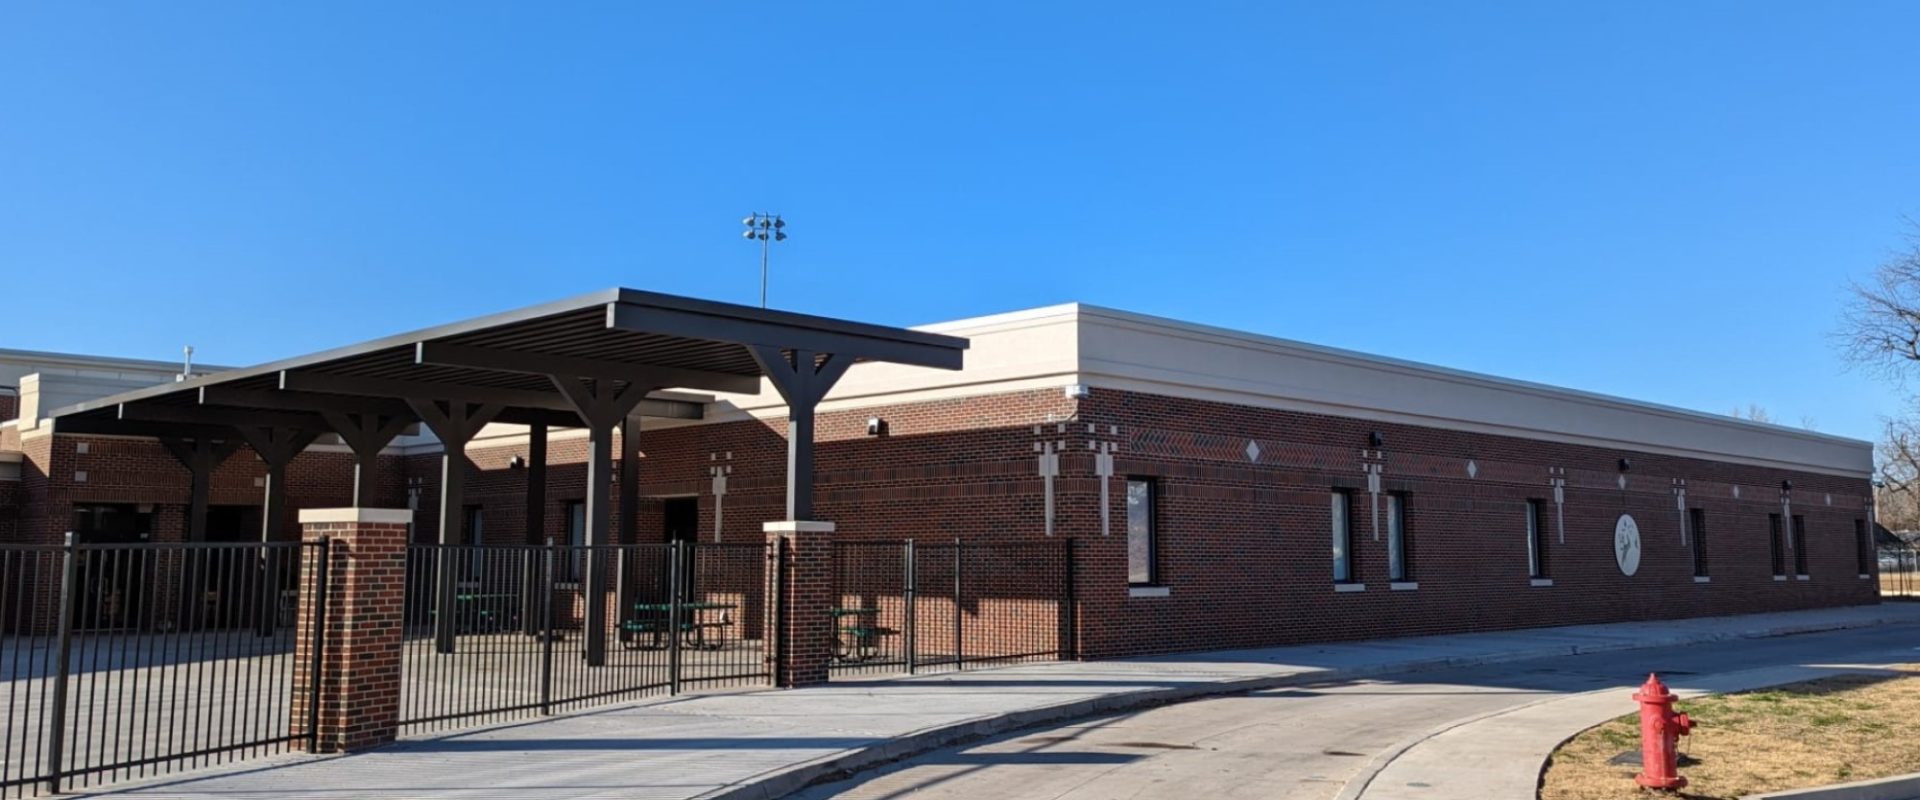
1832, 730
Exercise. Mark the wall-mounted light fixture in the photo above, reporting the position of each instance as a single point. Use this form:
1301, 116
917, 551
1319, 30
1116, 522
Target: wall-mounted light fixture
1375, 440
876, 426
517, 462
1786, 486
1626, 464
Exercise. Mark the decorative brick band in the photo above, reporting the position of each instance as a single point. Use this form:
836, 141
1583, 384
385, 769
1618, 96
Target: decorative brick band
357, 691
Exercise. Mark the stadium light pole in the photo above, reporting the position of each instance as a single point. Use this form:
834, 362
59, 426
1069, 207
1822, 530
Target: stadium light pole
768, 228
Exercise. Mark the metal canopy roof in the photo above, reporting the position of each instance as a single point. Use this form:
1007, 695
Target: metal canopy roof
513, 359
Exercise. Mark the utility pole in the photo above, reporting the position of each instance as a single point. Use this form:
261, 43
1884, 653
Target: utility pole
768, 228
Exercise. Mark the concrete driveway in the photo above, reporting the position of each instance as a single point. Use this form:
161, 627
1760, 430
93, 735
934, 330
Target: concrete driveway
1311, 741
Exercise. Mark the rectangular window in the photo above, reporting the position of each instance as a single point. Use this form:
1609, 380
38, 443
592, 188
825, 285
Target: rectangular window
1799, 544
573, 565
1399, 553
1778, 546
1697, 526
1342, 536
476, 534
1143, 568
1862, 547
1536, 539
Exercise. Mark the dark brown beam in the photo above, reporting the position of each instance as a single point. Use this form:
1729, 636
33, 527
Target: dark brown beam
107, 426
301, 401
206, 415
419, 390
692, 325
520, 361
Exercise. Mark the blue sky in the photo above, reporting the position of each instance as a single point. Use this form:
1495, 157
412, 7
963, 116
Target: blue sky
1659, 200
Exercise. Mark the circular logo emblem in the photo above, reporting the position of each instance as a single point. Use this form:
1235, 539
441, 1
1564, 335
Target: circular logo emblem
1626, 544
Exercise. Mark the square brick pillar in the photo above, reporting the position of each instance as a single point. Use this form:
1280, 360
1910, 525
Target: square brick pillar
357, 690
801, 631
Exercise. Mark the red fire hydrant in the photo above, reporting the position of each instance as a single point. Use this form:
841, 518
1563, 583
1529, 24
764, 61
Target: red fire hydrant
1660, 732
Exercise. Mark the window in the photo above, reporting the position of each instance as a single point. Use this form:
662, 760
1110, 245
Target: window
1774, 542
1342, 536
476, 533
1862, 547
1143, 568
1399, 555
1697, 523
1799, 545
574, 567
1536, 539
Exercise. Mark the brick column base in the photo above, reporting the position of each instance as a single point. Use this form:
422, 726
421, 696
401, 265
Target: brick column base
358, 697
802, 631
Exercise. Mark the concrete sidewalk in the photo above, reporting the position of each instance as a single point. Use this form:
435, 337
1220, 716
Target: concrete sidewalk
1500, 755
767, 743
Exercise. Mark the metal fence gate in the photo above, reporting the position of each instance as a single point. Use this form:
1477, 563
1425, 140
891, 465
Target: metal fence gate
910, 606
123, 661
680, 615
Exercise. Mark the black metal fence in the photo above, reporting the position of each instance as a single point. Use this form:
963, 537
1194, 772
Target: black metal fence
679, 615
122, 661
908, 606
1899, 571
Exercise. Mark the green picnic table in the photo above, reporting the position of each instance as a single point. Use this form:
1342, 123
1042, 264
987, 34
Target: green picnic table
652, 619
856, 633
480, 612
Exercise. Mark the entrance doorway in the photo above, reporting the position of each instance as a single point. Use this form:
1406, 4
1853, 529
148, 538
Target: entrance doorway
680, 522
230, 581
111, 588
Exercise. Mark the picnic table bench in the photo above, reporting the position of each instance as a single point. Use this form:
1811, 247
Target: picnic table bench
477, 612
856, 633
651, 620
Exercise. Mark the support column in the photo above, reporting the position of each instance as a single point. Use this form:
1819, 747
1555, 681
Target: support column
366, 434
534, 593
629, 510
348, 698
200, 455
601, 404
801, 629
455, 422
277, 446
803, 377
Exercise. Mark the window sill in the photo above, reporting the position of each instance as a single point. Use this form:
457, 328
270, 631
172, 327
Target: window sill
1703, 579
1404, 586
1539, 581
1866, 577
1349, 587
1803, 577
1149, 591
1779, 577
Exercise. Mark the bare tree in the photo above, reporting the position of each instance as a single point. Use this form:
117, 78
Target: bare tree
1754, 412
1882, 323
1882, 332
1896, 490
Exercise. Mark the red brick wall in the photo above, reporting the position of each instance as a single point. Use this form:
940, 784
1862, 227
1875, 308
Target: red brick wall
9, 407
1245, 543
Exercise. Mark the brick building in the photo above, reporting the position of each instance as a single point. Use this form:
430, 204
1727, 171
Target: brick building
1223, 489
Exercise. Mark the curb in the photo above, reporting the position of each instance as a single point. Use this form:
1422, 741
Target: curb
1898, 787
794, 777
